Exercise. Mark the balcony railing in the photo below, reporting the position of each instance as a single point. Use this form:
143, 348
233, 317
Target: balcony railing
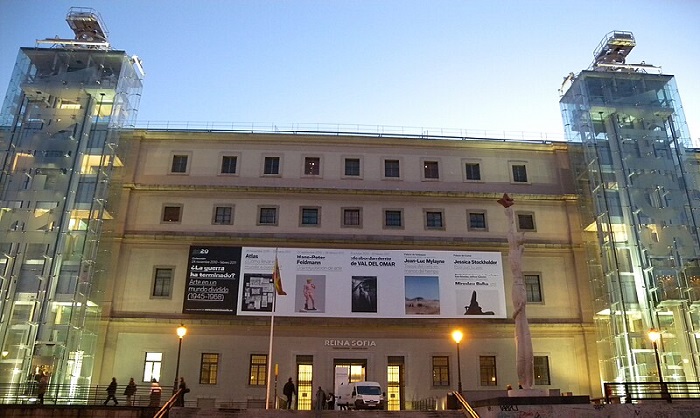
629, 392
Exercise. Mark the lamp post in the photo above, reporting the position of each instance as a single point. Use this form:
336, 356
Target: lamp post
457, 337
655, 336
181, 331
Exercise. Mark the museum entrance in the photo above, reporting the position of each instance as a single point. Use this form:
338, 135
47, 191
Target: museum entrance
348, 371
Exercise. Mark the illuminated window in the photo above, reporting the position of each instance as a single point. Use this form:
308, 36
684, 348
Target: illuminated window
258, 370
152, 365
209, 369
487, 370
441, 371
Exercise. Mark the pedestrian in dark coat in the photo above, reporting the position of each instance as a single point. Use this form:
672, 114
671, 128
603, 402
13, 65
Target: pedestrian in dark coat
112, 391
289, 390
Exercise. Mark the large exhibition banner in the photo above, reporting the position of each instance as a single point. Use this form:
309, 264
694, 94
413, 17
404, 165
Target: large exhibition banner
373, 283
212, 280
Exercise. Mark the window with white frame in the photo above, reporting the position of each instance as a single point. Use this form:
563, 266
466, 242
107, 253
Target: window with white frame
152, 366
162, 282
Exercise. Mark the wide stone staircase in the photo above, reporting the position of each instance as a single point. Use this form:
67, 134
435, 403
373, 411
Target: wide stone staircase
284, 413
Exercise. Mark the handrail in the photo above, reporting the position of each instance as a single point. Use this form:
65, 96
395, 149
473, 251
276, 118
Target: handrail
163, 411
466, 408
635, 391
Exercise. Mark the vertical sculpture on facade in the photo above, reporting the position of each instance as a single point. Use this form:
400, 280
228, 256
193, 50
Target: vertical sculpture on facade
523, 340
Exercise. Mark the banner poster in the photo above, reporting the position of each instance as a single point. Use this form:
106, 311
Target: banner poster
373, 283
212, 280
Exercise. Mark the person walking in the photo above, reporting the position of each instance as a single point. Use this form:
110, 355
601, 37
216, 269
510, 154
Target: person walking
183, 389
289, 390
41, 388
155, 394
129, 391
112, 392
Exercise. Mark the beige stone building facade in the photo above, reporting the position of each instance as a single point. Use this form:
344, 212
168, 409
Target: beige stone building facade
185, 189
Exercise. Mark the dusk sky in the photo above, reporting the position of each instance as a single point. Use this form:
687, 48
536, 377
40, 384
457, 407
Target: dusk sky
474, 65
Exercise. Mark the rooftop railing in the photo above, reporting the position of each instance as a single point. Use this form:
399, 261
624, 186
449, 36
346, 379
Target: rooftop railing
350, 130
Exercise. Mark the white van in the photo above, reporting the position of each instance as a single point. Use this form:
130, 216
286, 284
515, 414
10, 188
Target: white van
360, 395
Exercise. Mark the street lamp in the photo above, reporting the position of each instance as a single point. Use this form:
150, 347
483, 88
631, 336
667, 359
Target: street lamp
457, 337
655, 336
181, 331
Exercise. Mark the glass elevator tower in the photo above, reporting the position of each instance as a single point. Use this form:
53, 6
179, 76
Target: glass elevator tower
67, 100
641, 208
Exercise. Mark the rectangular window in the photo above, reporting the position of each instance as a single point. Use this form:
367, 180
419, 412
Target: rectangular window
487, 370
477, 221
172, 213
179, 164
258, 370
433, 220
267, 216
152, 365
352, 217
473, 171
542, 370
391, 168
532, 287
272, 166
526, 222
430, 170
392, 219
209, 369
519, 173
228, 164
162, 282
352, 167
312, 166
441, 371
223, 215
309, 216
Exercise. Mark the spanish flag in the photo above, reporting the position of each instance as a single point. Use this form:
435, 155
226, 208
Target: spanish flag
277, 278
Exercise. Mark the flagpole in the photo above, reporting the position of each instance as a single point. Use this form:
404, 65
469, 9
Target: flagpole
269, 351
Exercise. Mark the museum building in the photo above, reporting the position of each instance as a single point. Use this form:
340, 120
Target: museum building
337, 256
